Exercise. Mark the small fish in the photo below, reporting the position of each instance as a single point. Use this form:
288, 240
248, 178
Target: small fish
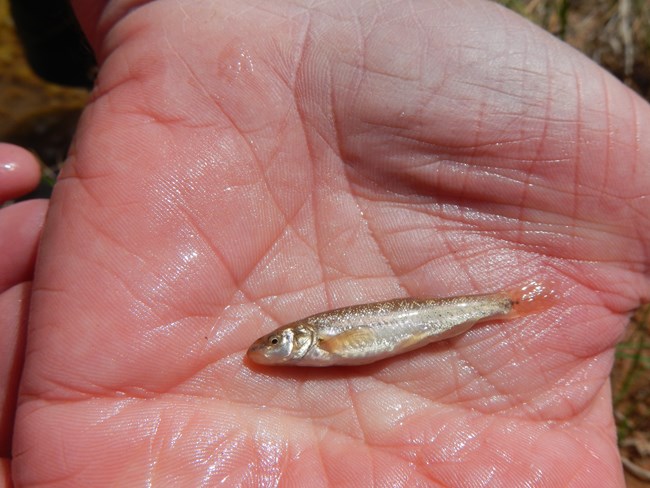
363, 334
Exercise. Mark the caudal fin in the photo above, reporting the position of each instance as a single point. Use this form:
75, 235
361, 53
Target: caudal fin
533, 297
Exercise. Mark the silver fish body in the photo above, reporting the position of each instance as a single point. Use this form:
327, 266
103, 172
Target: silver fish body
363, 334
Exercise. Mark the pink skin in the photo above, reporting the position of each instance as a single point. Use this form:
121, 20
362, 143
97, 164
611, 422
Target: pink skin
20, 227
244, 165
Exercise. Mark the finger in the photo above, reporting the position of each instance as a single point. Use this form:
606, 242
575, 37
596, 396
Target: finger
20, 228
5, 473
14, 304
19, 172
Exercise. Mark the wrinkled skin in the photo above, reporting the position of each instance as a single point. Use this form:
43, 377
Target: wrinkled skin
245, 164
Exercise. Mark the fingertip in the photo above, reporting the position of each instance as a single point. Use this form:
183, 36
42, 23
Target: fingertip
19, 171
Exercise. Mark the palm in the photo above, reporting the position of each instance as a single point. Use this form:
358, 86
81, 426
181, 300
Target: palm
275, 164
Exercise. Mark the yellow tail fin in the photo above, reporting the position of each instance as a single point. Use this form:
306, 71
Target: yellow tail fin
533, 297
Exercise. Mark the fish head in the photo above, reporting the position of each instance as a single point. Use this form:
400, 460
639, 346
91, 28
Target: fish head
285, 345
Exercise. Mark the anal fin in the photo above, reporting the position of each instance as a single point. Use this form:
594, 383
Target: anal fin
415, 341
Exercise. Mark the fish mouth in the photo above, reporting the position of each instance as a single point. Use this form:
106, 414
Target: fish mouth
259, 354
256, 353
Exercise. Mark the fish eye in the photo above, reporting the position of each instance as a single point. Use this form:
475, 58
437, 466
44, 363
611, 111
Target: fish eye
275, 340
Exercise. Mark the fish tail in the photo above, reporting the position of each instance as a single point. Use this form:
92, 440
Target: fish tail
533, 297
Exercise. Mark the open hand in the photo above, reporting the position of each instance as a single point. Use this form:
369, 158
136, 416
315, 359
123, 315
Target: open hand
243, 165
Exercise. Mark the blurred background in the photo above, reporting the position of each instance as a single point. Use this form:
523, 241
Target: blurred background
46, 70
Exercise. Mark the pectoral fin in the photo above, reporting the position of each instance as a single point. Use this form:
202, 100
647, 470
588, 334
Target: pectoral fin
425, 337
349, 344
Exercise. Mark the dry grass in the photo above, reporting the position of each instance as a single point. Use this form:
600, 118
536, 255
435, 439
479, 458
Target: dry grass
22, 94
